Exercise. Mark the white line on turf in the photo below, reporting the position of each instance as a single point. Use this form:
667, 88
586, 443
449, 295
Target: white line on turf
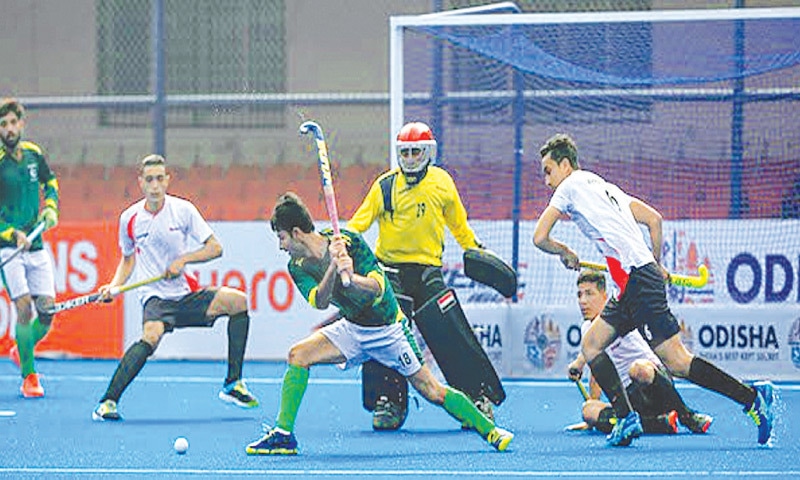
406, 473
327, 381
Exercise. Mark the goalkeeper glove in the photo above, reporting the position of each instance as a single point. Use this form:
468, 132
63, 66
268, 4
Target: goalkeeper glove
49, 215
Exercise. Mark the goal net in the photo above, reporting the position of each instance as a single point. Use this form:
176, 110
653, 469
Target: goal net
695, 112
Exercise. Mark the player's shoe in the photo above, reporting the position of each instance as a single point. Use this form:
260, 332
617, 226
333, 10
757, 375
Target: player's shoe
485, 406
237, 394
499, 438
31, 388
697, 422
761, 410
625, 430
106, 411
670, 421
274, 442
13, 355
387, 415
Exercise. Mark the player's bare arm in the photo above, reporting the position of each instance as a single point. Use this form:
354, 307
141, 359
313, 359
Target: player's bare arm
649, 216
543, 240
121, 275
210, 250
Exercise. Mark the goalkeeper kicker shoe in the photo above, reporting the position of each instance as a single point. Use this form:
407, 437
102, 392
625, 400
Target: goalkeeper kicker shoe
237, 394
761, 410
106, 411
499, 438
625, 430
275, 442
387, 415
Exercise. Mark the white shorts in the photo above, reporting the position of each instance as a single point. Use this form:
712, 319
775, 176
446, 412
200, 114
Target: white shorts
28, 273
392, 345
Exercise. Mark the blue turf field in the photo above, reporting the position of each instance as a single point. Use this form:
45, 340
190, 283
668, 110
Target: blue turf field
55, 437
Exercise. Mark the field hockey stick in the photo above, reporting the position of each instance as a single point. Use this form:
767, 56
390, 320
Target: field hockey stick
690, 281
93, 297
327, 180
580, 426
31, 237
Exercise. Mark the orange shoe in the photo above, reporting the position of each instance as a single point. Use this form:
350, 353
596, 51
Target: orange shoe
31, 388
13, 354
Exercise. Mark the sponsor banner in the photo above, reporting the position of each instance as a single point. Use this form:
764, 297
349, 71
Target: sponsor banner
84, 255
749, 343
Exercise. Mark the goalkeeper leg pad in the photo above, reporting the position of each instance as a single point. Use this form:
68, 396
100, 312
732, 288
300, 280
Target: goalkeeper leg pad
462, 359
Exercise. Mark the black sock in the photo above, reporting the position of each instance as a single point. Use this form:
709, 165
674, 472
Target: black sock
607, 377
667, 392
709, 376
238, 326
130, 365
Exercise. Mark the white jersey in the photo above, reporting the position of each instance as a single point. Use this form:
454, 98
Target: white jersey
623, 351
157, 239
602, 211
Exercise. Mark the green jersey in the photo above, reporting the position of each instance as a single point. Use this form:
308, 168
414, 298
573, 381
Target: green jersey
307, 273
20, 183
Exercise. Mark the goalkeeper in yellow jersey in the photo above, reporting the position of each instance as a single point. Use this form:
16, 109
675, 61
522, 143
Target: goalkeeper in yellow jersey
413, 204
28, 277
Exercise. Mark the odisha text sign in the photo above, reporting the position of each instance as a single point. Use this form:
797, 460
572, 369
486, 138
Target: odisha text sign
746, 275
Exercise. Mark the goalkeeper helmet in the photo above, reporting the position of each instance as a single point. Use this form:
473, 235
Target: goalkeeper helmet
416, 147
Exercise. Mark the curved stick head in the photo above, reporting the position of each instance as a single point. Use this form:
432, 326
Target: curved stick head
312, 127
703, 271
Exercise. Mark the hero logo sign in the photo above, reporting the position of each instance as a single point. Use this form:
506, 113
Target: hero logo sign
745, 277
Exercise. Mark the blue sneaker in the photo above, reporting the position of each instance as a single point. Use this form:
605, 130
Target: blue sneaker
274, 442
761, 410
625, 430
238, 394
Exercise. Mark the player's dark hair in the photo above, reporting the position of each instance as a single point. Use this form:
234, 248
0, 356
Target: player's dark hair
593, 276
152, 160
9, 105
561, 146
291, 212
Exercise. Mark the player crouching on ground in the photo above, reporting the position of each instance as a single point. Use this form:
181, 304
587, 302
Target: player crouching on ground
649, 386
373, 327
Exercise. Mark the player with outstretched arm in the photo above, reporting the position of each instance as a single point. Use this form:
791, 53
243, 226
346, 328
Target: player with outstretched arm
28, 276
610, 218
373, 326
159, 235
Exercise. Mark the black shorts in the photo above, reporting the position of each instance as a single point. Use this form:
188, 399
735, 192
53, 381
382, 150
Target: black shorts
643, 305
188, 311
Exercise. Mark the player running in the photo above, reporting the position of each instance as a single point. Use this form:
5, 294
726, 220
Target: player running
28, 277
610, 217
649, 386
373, 327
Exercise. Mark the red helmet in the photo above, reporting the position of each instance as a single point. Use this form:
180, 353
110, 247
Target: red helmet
416, 147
